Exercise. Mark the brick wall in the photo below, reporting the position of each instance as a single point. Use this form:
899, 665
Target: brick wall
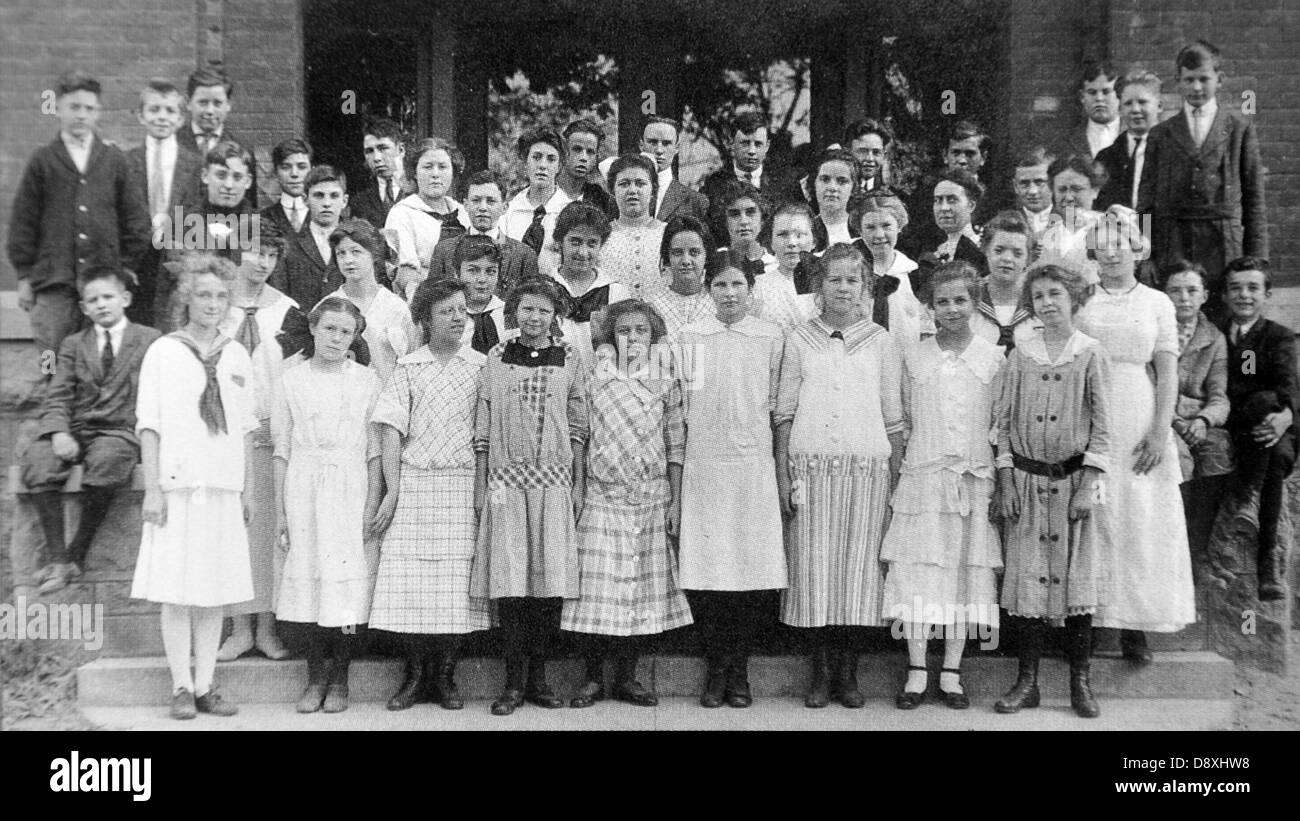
124, 43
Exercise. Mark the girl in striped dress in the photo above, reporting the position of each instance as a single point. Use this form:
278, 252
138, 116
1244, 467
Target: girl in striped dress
637, 441
530, 431
941, 547
426, 421
839, 433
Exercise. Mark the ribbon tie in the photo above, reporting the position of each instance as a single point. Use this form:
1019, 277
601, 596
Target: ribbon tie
451, 226
211, 409
485, 332
248, 334
536, 233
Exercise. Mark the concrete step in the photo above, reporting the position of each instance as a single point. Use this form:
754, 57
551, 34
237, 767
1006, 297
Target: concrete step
140, 681
683, 713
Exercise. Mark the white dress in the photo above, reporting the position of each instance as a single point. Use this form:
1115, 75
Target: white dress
679, 311
321, 425
909, 320
200, 555
390, 332
630, 257
775, 301
731, 519
942, 549
1144, 535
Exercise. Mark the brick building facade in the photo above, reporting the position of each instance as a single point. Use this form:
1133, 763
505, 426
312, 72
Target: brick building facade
260, 42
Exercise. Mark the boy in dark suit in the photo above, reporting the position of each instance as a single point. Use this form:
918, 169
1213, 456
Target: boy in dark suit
581, 153
292, 161
166, 174
88, 418
485, 202
1263, 389
1124, 159
210, 93
384, 146
659, 139
1203, 183
749, 146
868, 140
75, 210
1100, 102
309, 271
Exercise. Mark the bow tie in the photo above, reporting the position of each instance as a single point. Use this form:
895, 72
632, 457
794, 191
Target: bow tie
451, 226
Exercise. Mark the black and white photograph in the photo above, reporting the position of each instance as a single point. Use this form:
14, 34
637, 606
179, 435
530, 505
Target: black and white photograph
668, 365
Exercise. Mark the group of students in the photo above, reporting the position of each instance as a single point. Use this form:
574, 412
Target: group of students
561, 412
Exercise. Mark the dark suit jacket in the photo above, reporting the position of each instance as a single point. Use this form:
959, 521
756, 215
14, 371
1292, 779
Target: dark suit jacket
185, 189
64, 222
81, 397
274, 214
1221, 184
1270, 347
920, 240
303, 274
185, 136
364, 202
1118, 165
681, 201
517, 261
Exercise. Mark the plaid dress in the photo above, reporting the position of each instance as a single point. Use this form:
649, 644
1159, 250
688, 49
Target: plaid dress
531, 406
628, 577
424, 565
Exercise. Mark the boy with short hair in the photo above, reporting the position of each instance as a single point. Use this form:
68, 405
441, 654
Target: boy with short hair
87, 418
484, 203
210, 92
1203, 182
309, 272
384, 145
1124, 159
582, 140
868, 141
659, 139
1263, 390
1097, 96
1033, 189
166, 174
750, 141
75, 210
292, 161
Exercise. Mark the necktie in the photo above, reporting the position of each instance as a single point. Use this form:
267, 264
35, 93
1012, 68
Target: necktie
157, 195
451, 226
485, 332
386, 195
1198, 126
248, 335
211, 409
1136, 160
535, 234
208, 141
106, 356
296, 215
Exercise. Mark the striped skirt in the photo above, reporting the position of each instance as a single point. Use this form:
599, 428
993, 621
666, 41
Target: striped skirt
627, 576
833, 542
425, 562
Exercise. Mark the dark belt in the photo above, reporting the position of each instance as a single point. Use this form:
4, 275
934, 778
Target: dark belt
1052, 470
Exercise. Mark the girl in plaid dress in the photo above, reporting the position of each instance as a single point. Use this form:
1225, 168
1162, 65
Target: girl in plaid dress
628, 579
426, 420
530, 432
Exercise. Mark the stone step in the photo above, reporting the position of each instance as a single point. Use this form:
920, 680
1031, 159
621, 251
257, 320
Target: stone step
684, 713
142, 681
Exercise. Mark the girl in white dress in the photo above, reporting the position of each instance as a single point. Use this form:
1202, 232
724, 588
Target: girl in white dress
195, 420
1144, 535
782, 296
256, 315
682, 255
390, 332
1007, 243
879, 219
428, 216
327, 476
731, 554
943, 551
740, 218
631, 254
839, 443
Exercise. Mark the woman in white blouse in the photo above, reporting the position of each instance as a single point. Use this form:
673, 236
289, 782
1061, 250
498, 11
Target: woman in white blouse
428, 216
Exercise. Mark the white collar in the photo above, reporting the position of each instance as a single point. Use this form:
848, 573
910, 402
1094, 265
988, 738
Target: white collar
601, 279
903, 264
1035, 347
155, 143
1244, 329
1038, 220
494, 233
520, 202
116, 329
288, 202
1209, 110
423, 354
320, 232
748, 325
665, 177
199, 132
70, 143
736, 172
494, 304
417, 202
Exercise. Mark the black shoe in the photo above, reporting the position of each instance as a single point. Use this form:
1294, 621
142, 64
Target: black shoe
715, 687
448, 695
413, 688
590, 693
819, 689
908, 700
846, 690
1133, 647
737, 683
633, 692
508, 702
183, 707
213, 704
956, 701
1081, 698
